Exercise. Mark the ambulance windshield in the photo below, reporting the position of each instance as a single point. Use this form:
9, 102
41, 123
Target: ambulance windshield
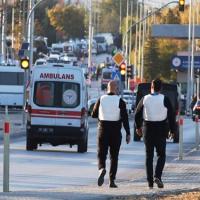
57, 94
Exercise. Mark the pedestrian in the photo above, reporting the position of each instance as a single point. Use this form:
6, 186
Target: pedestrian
154, 117
111, 112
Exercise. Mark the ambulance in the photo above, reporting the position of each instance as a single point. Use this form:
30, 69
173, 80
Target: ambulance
57, 107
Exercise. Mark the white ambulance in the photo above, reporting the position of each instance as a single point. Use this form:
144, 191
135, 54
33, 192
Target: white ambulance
57, 107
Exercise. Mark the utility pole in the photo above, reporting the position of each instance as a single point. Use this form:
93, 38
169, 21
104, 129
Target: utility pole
143, 41
189, 62
130, 37
31, 30
120, 16
139, 41
90, 37
193, 48
136, 41
126, 45
144, 18
126, 53
13, 24
4, 29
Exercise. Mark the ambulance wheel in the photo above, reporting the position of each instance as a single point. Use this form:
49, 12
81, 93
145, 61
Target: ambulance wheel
30, 144
83, 144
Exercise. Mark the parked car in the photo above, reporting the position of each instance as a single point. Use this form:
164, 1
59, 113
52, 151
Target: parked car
172, 92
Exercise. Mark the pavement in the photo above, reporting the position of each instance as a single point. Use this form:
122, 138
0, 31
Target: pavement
178, 176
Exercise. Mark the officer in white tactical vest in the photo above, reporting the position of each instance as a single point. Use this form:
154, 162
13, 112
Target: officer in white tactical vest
111, 112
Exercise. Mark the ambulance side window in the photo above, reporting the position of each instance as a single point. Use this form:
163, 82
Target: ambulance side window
70, 95
44, 94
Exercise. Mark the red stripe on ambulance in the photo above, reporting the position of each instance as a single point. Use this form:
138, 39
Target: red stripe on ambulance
56, 112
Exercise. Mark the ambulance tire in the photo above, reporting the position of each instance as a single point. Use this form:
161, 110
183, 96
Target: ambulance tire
83, 145
30, 144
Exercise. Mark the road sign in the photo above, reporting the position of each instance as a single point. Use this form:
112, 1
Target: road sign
116, 75
181, 62
118, 58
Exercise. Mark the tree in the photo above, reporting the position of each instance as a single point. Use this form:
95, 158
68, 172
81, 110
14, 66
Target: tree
110, 10
68, 19
152, 67
43, 26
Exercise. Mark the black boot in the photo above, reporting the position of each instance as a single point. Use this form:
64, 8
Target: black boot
112, 184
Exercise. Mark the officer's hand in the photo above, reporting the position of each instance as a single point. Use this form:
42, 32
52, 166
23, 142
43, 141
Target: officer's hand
139, 131
128, 139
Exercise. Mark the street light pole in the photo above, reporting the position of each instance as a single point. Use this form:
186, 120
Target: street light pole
90, 37
189, 62
130, 39
120, 16
4, 29
31, 31
144, 18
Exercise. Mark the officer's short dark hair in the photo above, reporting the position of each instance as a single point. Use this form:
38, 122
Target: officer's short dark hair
157, 84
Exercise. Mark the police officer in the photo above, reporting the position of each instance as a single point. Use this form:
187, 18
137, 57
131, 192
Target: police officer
111, 112
156, 113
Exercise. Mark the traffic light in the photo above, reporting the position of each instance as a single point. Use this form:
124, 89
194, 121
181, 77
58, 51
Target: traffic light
181, 5
24, 63
122, 69
129, 71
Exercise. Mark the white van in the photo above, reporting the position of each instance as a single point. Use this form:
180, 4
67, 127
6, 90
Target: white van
57, 108
11, 86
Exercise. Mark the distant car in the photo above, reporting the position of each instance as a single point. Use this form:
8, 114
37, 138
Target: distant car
91, 103
129, 99
69, 57
40, 61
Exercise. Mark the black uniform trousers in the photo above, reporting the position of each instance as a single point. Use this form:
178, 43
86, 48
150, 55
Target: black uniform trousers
155, 138
109, 138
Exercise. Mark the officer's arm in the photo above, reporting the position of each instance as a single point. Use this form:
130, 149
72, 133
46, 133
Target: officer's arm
139, 114
170, 114
95, 111
124, 116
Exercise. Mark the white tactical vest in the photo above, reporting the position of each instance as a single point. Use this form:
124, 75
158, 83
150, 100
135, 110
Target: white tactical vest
154, 109
109, 108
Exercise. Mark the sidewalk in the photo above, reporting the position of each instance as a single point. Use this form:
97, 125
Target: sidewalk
178, 176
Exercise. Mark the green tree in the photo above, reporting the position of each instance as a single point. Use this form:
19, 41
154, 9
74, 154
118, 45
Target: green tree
42, 22
69, 20
152, 67
169, 16
110, 14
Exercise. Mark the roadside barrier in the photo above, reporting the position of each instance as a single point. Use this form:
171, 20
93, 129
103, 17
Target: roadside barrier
197, 131
180, 138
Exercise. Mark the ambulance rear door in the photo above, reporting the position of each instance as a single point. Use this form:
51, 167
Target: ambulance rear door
69, 96
43, 107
